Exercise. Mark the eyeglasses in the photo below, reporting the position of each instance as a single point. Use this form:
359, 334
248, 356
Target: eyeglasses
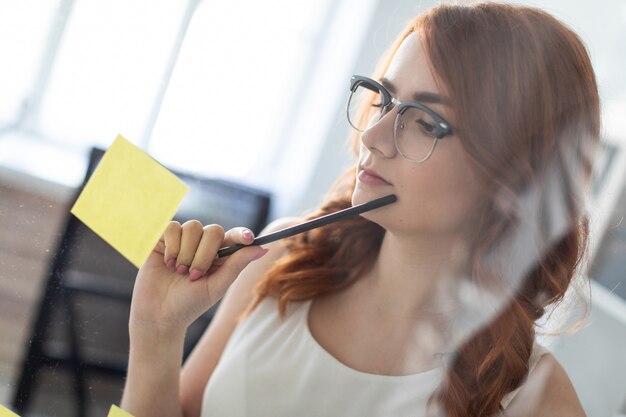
416, 129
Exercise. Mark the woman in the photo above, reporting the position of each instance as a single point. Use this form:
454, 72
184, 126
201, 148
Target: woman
482, 120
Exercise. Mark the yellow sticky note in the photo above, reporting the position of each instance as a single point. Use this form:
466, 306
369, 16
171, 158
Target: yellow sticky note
115, 411
5, 412
129, 200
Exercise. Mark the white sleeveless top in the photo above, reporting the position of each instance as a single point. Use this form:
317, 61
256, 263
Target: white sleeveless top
273, 368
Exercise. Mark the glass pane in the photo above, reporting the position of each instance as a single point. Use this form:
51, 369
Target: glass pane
252, 82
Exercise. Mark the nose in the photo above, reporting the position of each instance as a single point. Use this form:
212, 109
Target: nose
378, 138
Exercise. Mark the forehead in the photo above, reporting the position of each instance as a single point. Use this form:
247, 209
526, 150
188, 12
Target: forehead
409, 69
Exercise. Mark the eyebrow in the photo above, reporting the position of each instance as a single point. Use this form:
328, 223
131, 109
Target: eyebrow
420, 96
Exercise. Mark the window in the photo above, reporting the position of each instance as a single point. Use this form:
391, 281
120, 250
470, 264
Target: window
24, 27
212, 87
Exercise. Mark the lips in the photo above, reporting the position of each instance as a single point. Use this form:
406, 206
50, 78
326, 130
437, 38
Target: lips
371, 177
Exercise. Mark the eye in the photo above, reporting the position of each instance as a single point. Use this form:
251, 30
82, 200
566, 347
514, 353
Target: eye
426, 127
380, 107
374, 98
378, 101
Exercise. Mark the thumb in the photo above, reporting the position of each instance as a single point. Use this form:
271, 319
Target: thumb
227, 273
240, 259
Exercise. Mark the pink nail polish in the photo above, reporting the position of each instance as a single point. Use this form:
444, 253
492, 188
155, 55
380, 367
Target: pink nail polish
194, 274
170, 263
247, 235
182, 269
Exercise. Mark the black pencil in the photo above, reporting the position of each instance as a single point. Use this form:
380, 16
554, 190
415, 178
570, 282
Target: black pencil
311, 224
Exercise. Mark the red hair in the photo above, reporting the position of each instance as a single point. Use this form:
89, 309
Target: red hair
526, 111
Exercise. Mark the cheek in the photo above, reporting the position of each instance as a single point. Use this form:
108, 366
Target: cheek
440, 196
444, 199
459, 199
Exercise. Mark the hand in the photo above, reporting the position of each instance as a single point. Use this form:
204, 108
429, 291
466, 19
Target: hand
182, 277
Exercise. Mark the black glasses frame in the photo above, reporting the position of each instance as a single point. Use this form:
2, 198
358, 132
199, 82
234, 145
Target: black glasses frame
442, 127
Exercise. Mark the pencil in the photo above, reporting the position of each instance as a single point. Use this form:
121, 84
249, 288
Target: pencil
311, 224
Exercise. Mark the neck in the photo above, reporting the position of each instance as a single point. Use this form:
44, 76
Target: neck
416, 277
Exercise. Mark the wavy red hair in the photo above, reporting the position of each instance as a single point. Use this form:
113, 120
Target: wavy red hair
526, 108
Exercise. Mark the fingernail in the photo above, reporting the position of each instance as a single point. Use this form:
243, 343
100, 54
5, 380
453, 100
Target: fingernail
170, 263
260, 254
247, 235
194, 274
182, 269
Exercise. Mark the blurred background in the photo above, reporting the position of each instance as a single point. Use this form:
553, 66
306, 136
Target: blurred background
244, 99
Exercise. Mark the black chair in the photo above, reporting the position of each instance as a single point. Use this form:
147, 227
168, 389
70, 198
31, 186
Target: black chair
81, 325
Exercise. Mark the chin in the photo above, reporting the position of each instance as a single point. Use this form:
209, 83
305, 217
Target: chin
382, 215
357, 197
375, 218
363, 194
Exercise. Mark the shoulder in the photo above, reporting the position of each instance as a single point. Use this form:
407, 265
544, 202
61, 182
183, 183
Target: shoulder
548, 391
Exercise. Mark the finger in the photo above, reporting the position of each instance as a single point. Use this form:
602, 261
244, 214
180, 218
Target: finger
171, 239
220, 280
238, 235
212, 239
191, 234
160, 247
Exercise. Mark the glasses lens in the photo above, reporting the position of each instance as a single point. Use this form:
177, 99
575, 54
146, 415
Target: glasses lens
414, 133
364, 107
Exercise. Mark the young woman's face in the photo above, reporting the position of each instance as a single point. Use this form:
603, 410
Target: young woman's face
437, 196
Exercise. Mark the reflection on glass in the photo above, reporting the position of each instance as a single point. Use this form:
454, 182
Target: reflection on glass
520, 206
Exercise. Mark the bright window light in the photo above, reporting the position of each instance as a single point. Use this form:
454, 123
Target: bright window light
236, 82
109, 68
24, 27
